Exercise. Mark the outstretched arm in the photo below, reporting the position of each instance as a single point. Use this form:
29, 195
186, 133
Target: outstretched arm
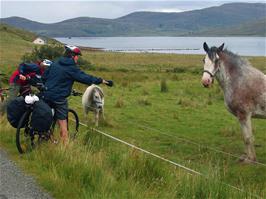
82, 77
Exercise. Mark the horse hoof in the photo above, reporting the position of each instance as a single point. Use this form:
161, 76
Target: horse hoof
245, 159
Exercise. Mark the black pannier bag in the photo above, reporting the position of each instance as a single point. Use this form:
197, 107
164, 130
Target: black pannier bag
42, 117
15, 110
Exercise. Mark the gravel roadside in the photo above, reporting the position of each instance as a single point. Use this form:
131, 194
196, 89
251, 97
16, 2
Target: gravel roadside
14, 184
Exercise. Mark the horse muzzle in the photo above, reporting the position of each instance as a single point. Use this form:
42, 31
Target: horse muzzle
99, 106
207, 82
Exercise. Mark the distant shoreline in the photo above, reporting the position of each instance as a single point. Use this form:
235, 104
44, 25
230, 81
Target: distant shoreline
247, 46
90, 48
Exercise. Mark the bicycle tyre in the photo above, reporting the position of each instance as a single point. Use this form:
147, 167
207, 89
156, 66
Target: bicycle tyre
21, 131
50, 134
73, 132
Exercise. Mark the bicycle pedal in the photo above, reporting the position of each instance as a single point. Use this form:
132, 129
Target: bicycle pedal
55, 141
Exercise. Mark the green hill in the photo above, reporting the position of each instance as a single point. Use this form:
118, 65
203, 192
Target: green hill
14, 43
247, 29
197, 22
23, 34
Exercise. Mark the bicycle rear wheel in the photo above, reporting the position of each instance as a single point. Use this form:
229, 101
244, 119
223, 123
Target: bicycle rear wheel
24, 140
72, 123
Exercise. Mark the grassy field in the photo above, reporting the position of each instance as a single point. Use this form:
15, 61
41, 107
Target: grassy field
182, 125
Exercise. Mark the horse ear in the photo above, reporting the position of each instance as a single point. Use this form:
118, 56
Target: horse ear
206, 47
221, 47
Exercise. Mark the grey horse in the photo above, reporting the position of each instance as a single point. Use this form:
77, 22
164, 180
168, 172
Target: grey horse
244, 89
93, 100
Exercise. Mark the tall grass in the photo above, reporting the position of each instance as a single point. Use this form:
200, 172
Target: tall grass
95, 167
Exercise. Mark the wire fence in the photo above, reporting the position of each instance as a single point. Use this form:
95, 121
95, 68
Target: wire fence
187, 140
189, 170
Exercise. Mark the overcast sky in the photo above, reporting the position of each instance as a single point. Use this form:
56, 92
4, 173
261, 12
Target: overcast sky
54, 11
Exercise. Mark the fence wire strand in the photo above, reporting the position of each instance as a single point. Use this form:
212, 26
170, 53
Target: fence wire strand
191, 171
187, 140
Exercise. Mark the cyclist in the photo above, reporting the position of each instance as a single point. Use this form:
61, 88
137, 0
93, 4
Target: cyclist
19, 79
59, 79
18, 82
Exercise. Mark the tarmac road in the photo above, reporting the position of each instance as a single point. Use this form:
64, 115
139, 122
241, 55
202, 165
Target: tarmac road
14, 184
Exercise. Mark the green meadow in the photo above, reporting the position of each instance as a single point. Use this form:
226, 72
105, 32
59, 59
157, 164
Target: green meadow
158, 104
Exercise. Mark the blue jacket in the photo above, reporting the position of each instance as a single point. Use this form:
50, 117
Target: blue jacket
60, 76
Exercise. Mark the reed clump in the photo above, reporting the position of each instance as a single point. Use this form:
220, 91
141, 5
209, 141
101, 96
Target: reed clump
164, 87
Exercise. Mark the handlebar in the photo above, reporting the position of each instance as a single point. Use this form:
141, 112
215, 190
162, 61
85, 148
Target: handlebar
75, 93
36, 82
40, 86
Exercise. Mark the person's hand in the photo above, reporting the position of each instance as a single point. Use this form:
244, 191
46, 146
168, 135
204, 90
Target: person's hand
22, 77
108, 82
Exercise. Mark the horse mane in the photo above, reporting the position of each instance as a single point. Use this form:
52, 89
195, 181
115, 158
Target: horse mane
99, 89
234, 59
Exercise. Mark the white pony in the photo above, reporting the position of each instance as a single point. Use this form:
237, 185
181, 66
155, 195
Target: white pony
93, 100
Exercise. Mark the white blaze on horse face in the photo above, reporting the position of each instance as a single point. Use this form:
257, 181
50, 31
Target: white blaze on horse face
208, 66
97, 99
